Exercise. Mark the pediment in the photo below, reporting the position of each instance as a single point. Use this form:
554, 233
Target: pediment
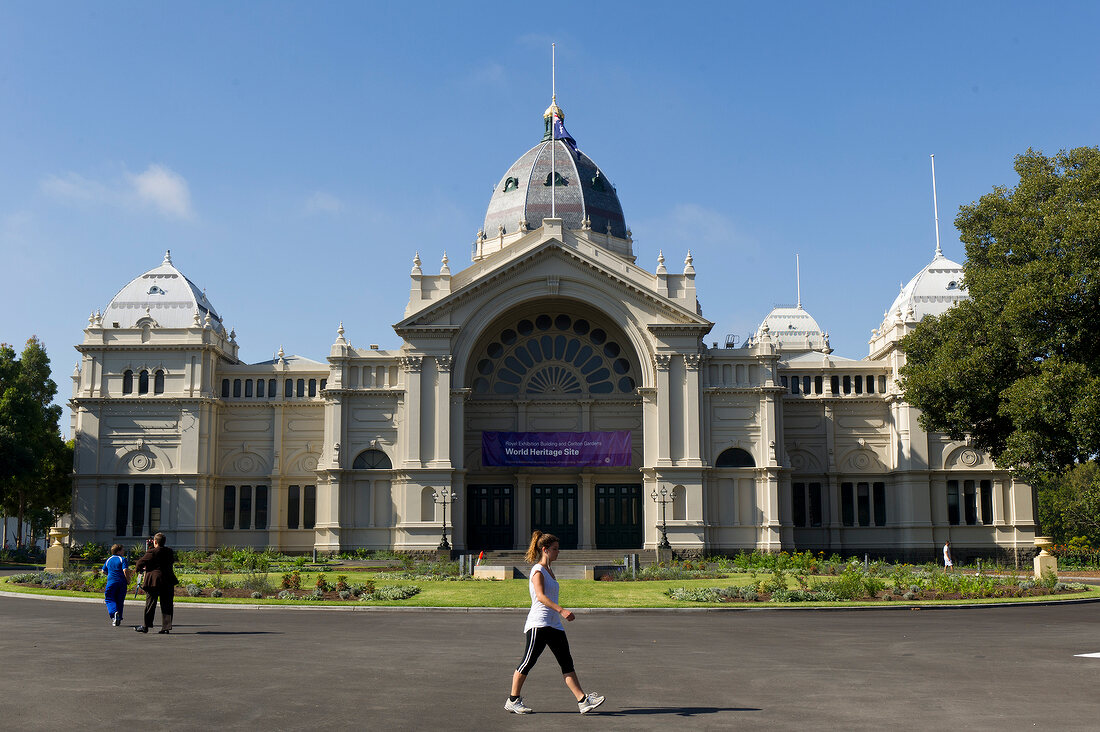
551, 260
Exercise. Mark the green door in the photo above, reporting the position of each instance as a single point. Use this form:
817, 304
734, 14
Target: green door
554, 510
619, 516
489, 517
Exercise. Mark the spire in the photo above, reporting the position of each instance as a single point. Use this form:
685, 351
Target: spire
936, 208
167, 256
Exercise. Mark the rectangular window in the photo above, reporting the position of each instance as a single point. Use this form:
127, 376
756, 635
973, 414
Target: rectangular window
324, 383
859, 385
138, 513
122, 508
870, 384
794, 385
229, 507
834, 382
880, 503
863, 493
236, 388
288, 388
882, 385
783, 381
805, 384
225, 388
313, 387
293, 502
970, 503
309, 507
261, 505
248, 387
847, 384
271, 389
301, 387
817, 384
953, 502
798, 504
154, 508
847, 514
246, 507
260, 388
987, 501
815, 504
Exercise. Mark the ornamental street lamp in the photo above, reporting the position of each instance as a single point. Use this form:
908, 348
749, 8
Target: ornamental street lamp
444, 496
661, 496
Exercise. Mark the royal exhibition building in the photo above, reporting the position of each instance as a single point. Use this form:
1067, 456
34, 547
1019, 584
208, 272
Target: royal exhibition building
553, 382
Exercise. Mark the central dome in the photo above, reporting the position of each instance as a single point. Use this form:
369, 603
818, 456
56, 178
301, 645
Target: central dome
584, 197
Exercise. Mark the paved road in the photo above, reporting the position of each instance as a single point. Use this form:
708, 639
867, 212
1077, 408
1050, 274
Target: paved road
62, 666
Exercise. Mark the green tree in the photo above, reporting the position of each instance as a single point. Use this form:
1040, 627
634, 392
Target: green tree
35, 463
1017, 366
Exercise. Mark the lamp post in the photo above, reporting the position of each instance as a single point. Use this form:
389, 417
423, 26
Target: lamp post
661, 496
444, 496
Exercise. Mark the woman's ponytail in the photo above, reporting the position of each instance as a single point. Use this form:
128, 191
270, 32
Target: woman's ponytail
539, 541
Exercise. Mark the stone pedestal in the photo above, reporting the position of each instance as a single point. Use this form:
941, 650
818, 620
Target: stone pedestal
57, 556
664, 554
1045, 560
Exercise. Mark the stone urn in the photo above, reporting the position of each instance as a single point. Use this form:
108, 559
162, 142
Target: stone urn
1044, 543
57, 535
1045, 561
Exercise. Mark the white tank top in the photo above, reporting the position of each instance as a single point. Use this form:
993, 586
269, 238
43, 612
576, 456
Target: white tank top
540, 615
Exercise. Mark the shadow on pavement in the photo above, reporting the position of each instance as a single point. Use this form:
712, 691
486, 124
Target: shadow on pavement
234, 632
678, 711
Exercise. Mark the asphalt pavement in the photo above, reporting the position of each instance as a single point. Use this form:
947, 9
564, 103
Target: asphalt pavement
63, 666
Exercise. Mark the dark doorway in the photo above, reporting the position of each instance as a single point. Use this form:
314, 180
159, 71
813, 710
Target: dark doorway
489, 517
554, 510
619, 516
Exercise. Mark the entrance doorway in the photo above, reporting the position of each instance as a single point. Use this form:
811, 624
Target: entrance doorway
619, 516
489, 517
554, 511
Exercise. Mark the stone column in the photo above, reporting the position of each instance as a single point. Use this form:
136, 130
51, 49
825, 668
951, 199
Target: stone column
411, 365
664, 452
443, 456
692, 395
586, 512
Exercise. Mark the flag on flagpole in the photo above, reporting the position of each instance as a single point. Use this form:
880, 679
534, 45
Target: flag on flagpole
560, 133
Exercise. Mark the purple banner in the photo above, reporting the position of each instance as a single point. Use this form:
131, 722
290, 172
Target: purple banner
555, 449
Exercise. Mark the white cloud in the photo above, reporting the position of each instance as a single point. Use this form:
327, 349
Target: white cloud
321, 202
157, 187
164, 190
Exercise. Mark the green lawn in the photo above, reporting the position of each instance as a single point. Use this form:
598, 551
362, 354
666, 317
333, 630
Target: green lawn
514, 593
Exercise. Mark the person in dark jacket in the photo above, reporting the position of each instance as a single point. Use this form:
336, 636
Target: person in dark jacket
160, 582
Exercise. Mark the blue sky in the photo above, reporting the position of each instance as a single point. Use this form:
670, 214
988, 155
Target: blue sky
294, 156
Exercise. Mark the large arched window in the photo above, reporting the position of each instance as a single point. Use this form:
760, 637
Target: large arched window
371, 460
158, 382
143, 382
553, 353
735, 457
128, 382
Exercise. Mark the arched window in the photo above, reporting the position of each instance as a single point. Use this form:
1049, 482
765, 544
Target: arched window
554, 354
735, 457
236, 388
679, 503
313, 387
128, 382
158, 382
301, 387
271, 389
372, 460
288, 388
225, 388
143, 382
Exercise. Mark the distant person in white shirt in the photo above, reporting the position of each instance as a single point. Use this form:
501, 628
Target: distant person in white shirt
947, 563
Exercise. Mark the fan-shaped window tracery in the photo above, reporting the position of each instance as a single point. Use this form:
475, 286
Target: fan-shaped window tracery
553, 353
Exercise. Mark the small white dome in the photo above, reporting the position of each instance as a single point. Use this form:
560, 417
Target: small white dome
793, 329
934, 289
170, 299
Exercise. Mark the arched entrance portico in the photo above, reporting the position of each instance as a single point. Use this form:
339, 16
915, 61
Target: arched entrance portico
563, 370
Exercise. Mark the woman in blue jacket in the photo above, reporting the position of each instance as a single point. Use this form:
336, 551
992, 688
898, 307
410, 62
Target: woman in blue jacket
118, 577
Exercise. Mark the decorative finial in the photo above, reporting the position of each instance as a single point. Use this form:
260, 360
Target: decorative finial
91, 319
233, 335
196, 321
586, 224
445, 269
98, 318
340, 334
827, 349
661, 262
689, 267
207, 321
416, 264
280, 355
523, 226
480, 235
167, 256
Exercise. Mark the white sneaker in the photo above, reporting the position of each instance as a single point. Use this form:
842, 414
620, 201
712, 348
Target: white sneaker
118, 620
518, 706
590, 702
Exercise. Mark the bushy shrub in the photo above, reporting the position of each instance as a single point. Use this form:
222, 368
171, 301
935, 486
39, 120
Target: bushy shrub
343, 594
747, 593
257, 595
194, 590
341, 582
292, 580
322, 585
93, 551
391, 592
849, 585
216, 592
286, 595
256, 582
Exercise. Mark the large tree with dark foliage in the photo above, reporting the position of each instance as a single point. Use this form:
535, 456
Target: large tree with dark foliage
1017, 366
35, 463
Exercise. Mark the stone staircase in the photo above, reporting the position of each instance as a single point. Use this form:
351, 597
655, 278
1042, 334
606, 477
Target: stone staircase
570, 563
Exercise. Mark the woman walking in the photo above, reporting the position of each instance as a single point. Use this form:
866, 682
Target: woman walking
543, 628
118, 577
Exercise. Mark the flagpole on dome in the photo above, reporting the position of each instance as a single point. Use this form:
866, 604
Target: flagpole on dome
935, 207
553, 130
